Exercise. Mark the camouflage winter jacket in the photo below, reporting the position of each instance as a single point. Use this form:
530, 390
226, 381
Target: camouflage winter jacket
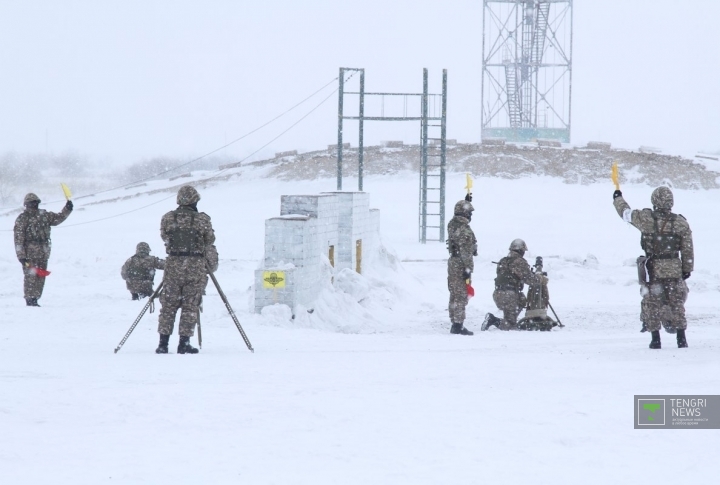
187, 232
513, 273
141, 267
32, 231
461, 241
665, 236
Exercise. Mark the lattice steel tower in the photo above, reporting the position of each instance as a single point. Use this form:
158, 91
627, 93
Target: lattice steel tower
527, 69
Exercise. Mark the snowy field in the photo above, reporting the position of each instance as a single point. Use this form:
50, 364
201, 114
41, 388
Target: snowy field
375, 391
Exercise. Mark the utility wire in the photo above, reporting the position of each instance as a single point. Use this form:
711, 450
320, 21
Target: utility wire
222, 171
207, 154
208, 178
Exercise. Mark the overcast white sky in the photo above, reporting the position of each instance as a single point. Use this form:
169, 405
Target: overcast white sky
131, 79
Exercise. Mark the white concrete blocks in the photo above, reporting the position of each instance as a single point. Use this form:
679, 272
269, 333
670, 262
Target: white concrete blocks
599, 145
289, 153
311, 232
493, 141
548, 143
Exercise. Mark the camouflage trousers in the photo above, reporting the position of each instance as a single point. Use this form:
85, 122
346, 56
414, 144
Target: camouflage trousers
664, 302
183, 285
458, 290
33, 284
511, 303
141, 287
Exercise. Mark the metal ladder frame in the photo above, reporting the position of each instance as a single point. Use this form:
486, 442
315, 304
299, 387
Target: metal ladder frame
426, 152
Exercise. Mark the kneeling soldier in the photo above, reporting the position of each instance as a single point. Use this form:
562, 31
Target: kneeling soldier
513, 273
139, 271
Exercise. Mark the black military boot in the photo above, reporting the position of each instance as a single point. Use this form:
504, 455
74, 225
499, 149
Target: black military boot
681, 340
163, 345
465, 331
184, 346
458, 329
31, 302
135, 296
655, 342
489, 321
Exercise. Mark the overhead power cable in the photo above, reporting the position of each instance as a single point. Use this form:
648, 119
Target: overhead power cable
224, 170
205, 155
207, 179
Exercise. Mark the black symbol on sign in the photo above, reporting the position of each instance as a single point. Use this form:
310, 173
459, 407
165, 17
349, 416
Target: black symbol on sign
274, 279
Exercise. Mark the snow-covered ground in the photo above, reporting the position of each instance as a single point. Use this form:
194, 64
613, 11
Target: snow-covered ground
375, 391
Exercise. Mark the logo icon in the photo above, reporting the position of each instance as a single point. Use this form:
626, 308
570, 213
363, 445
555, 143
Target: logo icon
652, 408
651, 412
274, 279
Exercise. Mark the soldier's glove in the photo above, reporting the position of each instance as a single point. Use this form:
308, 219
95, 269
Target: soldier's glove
617, 194
686, 276
69, 205
468, 197
467, 273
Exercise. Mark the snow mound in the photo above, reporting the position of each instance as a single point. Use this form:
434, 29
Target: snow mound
512, 161
354, 303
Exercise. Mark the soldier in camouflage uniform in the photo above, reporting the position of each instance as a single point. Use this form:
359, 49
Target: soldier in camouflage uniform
668, 262
32, 243
462, 246
513, 273
189, 243
139, 271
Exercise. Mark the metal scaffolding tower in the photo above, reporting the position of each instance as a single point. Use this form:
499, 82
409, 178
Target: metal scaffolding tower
527, 69
431, 213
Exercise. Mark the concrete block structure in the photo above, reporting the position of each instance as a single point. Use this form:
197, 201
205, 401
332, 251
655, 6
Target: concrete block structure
493, 141
312, 231
548, 143
599, 145
289, 153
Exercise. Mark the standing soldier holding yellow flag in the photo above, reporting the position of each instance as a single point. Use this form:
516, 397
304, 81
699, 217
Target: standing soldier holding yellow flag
668, 262
32, 243
462, 246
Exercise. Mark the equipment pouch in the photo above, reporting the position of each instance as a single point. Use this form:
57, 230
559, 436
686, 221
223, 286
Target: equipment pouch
643, 276
666, 269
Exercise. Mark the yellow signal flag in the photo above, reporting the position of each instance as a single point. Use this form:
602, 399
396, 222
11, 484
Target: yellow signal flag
468, 181
66, 191
614, 176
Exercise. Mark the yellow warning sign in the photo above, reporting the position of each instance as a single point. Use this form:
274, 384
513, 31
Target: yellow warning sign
273, 279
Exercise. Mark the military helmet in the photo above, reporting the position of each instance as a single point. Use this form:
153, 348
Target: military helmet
31, 198
187, 195
518, 245
463, 208
142, 247
662, 198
